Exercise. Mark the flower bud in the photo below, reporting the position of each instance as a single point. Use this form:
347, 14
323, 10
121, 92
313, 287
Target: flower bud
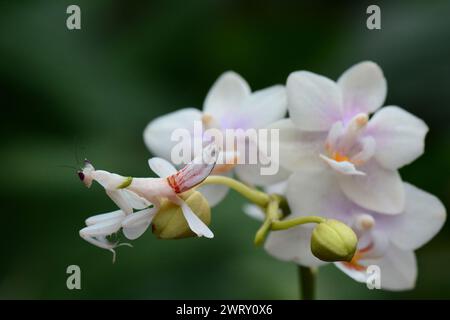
333, 240
169, 222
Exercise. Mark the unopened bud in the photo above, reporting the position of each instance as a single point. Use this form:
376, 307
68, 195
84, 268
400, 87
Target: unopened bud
333, 240
169, 222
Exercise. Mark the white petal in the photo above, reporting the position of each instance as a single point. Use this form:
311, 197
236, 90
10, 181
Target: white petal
161, 167
357, 275
214, 193
158, 133
379, 190
298, 149
265, 168
253, 211
137, 223
336, 131
398, 269
278, 188
400, 136
226, 96
423, 217
363, 88
317, 192
342, 167
368, 147
292, 245
251, 174
194, 222
263, 107
314, 101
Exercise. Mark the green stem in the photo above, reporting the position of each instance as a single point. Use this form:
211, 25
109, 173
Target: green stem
286, 224
272, 214
262, 232
307, 282
258, 197
272, 205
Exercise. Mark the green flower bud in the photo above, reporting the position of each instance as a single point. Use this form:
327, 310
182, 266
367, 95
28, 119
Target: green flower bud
169, 222
333, 240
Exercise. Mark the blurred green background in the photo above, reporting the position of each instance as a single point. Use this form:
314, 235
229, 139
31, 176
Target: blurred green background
93, 91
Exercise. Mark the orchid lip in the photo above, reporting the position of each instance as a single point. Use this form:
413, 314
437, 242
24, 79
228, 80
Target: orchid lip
354, 263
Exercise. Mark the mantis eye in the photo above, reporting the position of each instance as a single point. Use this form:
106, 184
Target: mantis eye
80, 175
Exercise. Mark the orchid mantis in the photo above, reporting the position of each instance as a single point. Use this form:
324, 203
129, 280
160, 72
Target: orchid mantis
139, 199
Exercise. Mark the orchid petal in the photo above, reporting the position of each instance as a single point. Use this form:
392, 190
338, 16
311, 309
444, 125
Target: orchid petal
343, 167
400, 137
158, 133
423, 217
253, 211
265, 170
368, 147
293, 245
263, 107
379, 190
316, 192
363, 88
314, 101
214, 193
277, 188
161, 167
298, 149
398, 269
251, 174
355, 274
226, 95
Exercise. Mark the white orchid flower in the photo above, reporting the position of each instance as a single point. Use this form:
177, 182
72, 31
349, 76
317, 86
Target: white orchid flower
329, 126
229, 104
387, 241
141, 193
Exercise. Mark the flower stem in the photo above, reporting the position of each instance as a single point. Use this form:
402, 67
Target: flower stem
307, 282
272, 214
258, 197
286, 224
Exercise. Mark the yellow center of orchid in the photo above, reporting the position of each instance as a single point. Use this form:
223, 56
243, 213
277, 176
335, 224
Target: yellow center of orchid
339, 157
